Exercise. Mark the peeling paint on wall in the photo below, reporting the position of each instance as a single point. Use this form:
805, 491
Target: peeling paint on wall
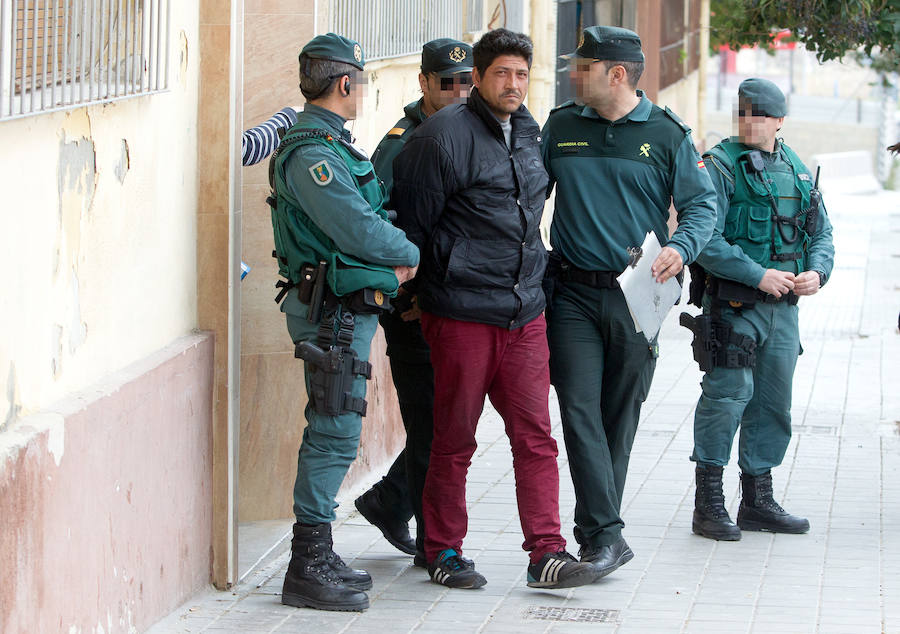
12, 397
183, 65
124, 163
56, 347
77, 328
56, 438
76, 182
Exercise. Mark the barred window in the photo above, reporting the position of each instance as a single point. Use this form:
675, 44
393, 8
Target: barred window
393, 28
59, 54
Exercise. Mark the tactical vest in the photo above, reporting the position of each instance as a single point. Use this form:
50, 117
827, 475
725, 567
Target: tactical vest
773, 239
299, 241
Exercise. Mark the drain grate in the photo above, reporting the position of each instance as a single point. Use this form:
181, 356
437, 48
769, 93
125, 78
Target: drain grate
577, 615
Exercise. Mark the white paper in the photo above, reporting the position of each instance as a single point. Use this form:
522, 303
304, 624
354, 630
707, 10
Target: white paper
648, 301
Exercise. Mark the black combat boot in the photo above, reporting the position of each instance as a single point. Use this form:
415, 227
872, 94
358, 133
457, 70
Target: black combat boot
356, 579
710, 517
310, 580
760, 512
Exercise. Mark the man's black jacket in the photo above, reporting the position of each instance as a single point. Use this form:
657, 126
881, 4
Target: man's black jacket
473, 207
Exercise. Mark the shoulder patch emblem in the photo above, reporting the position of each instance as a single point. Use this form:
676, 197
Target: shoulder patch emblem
321, 173
803, 177
701, 164
645, 150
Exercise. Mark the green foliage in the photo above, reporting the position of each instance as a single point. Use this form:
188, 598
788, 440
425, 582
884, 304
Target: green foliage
830, 28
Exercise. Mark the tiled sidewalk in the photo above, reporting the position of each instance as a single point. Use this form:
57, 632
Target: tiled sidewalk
842, 471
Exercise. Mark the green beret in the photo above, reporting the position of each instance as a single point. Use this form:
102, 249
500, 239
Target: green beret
609, 43
765, 97
335, 47
445, 56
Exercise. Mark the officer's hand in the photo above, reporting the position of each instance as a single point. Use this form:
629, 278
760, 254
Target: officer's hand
668, 264
405, 273
807, 283
413, 313
777, 283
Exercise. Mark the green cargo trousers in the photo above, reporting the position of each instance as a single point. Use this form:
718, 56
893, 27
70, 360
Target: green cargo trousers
602, 370
758, 400
329, 443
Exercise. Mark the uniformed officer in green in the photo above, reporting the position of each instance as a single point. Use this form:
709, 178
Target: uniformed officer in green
341, 258
445, 79
772, 244
617, 161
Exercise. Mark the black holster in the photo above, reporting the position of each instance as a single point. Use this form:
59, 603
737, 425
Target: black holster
331, 378
333, 363
734, 294
711, 340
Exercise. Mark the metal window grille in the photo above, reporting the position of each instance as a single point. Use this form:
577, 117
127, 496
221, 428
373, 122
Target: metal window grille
475, 17
515, 16
59, 54
393, 28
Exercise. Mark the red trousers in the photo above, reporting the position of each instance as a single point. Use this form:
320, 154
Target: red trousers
472, 360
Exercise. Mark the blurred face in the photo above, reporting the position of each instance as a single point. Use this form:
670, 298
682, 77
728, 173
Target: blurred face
590, 79
359, 89
503, 85
755, 128
440, 91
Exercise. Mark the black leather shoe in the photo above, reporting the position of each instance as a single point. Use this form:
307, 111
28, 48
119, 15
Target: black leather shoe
760, 512
394, 529
606, 559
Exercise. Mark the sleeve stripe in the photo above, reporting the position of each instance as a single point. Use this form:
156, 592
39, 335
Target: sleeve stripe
258, 142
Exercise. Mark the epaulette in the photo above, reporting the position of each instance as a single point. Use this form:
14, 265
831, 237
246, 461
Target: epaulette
565, 104
719, 159
674, 117
399, 128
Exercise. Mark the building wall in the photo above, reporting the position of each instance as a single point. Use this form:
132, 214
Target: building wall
681, 97
98, 235
105, 517
106, 397
218, 252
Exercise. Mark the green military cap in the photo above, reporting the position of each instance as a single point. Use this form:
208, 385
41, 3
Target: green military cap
446, 56
335, 47
609, 43
764, 96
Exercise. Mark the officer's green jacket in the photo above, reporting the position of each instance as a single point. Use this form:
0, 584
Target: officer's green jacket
616, 181
392, 143
320, 181
741, 246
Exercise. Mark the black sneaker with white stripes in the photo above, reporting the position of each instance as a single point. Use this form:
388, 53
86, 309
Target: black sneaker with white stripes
455, 571
560, 570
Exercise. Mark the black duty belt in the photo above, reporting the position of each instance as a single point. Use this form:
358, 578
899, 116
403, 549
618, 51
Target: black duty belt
737, 295
596, 279
790, 297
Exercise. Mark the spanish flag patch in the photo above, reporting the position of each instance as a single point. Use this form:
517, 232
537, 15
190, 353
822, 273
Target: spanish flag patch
701, 164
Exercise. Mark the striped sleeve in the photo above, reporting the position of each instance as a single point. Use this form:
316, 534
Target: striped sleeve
260, 141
